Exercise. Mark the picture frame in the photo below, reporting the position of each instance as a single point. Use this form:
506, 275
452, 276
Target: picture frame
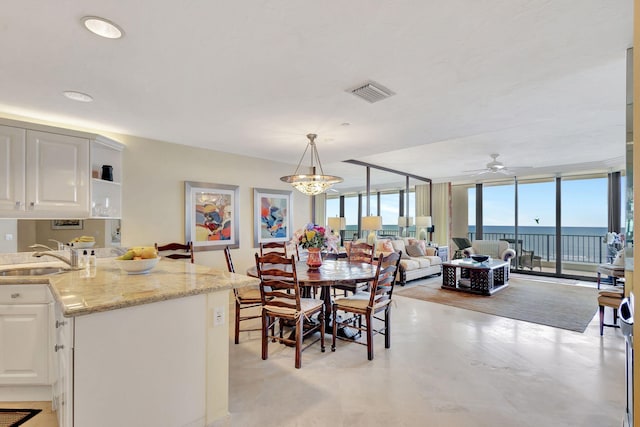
67, 224
272, 216
212, 213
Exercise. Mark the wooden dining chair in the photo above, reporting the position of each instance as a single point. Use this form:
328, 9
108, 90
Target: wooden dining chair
176, 250
247, 299
281, 300
368, 304
273, 247
358, 252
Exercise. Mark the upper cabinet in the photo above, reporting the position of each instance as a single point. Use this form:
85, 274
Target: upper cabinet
49, 173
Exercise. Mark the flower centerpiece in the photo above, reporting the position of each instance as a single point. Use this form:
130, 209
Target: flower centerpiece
314, 238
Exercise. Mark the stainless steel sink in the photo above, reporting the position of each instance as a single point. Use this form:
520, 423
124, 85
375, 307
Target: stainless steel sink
32, 271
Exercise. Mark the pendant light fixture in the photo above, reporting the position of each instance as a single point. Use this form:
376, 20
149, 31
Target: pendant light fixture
313, 184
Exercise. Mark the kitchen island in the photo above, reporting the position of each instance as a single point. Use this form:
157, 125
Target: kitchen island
135, 350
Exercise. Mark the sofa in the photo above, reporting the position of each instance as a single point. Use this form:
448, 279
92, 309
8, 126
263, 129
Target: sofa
418, 260
496, 249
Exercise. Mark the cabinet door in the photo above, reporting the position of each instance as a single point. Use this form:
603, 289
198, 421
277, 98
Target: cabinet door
12, 168
24, 340
57, 174
63, 385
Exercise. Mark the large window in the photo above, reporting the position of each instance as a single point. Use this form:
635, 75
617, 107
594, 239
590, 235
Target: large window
536, 224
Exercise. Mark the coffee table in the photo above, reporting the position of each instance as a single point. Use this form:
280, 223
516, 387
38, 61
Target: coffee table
483, 278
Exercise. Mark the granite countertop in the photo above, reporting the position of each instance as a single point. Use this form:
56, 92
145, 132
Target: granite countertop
106, 287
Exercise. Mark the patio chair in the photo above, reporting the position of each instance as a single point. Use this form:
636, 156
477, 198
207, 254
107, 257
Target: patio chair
530, 260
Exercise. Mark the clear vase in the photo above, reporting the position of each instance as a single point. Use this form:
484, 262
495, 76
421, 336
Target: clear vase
314, 260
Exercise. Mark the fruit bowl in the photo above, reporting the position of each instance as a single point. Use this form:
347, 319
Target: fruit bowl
137, 266
480, 258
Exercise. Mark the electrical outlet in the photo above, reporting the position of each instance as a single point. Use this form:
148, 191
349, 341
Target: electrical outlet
218, 316
8, 236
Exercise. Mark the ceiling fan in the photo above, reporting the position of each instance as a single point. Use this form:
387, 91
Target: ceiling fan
495, 166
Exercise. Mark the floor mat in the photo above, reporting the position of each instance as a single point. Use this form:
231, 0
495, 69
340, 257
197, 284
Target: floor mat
16, 417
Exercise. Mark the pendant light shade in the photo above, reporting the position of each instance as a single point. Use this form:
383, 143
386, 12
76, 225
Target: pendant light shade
313, 184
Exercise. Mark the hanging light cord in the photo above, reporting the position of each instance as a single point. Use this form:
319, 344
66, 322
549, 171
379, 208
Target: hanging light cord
314, 154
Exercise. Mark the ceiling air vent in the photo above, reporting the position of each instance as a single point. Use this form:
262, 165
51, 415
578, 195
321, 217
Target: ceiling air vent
371, 92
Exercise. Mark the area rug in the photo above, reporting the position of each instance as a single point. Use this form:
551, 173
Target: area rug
16, 417
561, 306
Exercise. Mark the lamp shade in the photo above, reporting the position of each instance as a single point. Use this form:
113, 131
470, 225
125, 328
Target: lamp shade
405, 221
372, 223
336, 223
423, 221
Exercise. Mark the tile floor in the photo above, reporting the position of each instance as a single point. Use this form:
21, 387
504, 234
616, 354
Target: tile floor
447, 367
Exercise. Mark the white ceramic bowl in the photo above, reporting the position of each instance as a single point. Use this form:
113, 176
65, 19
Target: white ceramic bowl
82, 245
137, 266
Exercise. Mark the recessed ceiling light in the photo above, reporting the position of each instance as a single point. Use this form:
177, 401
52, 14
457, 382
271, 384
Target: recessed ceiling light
77, 96
102, 27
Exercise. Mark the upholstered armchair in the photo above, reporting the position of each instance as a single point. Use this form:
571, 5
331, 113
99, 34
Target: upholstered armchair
496, 249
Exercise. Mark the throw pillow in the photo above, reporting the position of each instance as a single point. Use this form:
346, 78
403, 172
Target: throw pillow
619, 259
384, 245
420, 243
414, 251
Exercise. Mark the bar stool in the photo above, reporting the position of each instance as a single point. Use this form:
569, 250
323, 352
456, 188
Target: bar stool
609, 298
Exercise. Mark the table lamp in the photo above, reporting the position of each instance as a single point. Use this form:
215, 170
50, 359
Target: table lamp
423, 222
405, 222
372, 223
336, 224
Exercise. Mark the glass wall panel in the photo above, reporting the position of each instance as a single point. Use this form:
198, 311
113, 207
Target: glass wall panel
351, 216
498, 212
333, 207
471, 200
390, 210
537, 225
584, 224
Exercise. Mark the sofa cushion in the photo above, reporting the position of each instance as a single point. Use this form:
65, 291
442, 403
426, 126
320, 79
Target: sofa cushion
415, 251
409, 264
420, 243
424, 262
398, 245
434, 260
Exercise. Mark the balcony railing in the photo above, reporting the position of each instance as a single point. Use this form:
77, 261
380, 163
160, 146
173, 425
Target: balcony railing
575, 248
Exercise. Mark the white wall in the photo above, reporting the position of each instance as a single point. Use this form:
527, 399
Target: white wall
153, 193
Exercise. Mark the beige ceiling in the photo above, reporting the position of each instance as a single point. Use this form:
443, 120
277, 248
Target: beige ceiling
540, 82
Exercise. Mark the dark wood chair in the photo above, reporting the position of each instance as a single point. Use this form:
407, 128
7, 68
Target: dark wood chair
246, 299
368, 304
358, 252
177, 250
610, 298
273, 247
282, 301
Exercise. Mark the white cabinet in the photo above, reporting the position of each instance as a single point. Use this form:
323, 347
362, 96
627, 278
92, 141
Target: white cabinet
24, 335
48, 172
63, 364
43, 174
12, 168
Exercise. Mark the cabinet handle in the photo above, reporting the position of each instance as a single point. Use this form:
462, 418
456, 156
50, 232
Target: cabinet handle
16, 295
32, 205
60, 324
18, 205
58, 347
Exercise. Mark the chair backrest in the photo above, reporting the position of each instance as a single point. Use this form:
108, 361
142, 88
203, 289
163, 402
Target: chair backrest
175, 249
385, 279
461, 242
273, 247
361, 252
227, 257
278, 274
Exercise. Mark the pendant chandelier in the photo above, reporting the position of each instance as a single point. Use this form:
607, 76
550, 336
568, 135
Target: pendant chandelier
311, 184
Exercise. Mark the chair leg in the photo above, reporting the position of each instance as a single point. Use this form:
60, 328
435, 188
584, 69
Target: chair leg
599, 283
321, 321
369, 321
334, 313
601, 309
265, 329
299, 333
387, 327
237, 336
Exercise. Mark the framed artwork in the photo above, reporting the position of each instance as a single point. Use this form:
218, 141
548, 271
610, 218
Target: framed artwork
66, 224
211, 215
272, 215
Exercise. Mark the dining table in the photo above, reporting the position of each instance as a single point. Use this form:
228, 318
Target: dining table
330, 273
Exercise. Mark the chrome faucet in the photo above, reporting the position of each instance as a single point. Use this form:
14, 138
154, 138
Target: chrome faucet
72, 260
38, 245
